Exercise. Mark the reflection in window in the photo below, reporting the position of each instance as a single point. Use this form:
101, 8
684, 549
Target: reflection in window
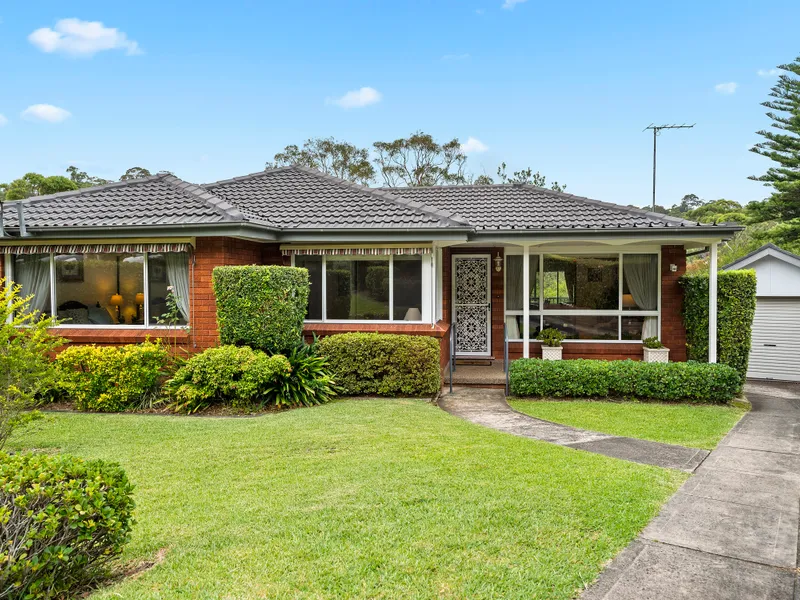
514, 326
32, 272
407, 282
100, 289
585, 327
633, 327
581, 282
169, 270
514, 282
314, 266
357, 289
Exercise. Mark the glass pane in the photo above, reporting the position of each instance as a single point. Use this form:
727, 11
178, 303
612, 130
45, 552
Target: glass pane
32, 272
314, 266
357, 289
640, 282
407, 288
169, 271
514, 287
99, 289
585, 327
639, 328
514, 326
581, 282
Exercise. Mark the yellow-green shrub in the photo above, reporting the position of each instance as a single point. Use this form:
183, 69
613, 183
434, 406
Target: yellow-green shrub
111, 378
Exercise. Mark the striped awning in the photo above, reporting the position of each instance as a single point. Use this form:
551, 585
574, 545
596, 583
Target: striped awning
356, 251
95, 248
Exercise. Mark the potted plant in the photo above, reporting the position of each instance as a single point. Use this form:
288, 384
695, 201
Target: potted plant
551, 343
654, 351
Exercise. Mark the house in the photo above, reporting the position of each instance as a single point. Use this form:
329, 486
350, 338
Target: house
775, 346
484, 261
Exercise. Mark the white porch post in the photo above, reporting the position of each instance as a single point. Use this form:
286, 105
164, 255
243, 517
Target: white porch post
526, 301
712, 304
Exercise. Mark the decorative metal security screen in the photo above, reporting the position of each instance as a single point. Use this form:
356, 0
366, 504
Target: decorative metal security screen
472, 304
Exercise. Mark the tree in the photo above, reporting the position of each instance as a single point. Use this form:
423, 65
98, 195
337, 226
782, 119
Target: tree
783, 146
419, 160
82, 179
337, 158
35, 184
688, 202
527, 176
25, 365
135, 173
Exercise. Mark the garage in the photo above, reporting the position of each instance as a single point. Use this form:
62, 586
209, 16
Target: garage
775, 350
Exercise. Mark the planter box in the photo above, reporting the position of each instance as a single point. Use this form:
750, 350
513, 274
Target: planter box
656, 355
551, 353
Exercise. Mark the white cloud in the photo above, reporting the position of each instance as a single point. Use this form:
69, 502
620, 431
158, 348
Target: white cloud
510, 4
357, 98
768, 72
82, 38
479, 11
473, 146
726, 88
455, 57
3, 120
45, 112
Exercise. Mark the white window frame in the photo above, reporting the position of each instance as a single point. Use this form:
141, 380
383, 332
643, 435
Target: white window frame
146, 291
541, 312
426, 284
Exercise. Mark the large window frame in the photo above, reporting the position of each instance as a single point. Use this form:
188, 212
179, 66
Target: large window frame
541, 312
427, 284
146, 291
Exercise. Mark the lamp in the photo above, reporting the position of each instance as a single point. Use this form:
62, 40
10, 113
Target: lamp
498, 263
116, 301
628, 301
139, 303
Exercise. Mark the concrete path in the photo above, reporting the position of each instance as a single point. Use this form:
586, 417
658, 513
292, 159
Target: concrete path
489, 408
731, 531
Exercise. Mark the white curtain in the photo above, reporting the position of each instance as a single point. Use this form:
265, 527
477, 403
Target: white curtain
178, 278
641, 275
32, 272
514, 298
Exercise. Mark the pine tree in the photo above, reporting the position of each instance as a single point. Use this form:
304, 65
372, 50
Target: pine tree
783, 145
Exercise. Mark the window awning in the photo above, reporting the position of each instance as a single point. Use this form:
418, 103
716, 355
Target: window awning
95, 248
362, 251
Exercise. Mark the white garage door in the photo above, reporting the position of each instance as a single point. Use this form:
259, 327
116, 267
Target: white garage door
775, 353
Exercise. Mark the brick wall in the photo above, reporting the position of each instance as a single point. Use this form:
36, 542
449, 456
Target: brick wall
673, 332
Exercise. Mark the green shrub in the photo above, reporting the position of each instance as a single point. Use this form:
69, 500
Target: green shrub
261, 307
551, 337
307, 382
234, 375
736, 307
677, 381
61, 520
112, 378
653, 343
383, 364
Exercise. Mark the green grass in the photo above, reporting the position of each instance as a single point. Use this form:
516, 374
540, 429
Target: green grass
696, 426
361, 499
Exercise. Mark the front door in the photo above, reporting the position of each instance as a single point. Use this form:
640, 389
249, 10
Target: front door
472, 304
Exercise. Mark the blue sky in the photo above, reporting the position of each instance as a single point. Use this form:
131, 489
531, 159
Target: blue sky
211, 93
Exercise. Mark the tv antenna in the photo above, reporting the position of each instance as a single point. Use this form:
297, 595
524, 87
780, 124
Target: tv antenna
656, 132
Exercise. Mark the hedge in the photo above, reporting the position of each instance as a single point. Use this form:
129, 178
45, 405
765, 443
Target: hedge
383, 364
677, 381
261, 306
61, 520
111, 378
736, 307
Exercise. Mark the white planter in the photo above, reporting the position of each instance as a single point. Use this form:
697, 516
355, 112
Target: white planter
656, 355
552, 353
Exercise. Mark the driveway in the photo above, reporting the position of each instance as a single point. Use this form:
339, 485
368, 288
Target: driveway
731, 531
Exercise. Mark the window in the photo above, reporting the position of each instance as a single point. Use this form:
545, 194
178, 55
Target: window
366, 288
587, 297
105, 289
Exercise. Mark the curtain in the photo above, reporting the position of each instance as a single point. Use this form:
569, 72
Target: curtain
641, 275
178, 277
514, 300
32, 272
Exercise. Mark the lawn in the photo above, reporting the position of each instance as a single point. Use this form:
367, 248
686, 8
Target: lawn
696, 426
360, 499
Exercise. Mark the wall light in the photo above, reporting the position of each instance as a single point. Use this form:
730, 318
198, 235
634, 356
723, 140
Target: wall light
498, 263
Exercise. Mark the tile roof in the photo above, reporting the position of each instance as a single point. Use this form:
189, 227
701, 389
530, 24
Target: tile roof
302, 198
519, 207
159, 200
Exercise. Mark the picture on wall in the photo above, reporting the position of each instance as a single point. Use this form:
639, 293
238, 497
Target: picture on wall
70, 269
